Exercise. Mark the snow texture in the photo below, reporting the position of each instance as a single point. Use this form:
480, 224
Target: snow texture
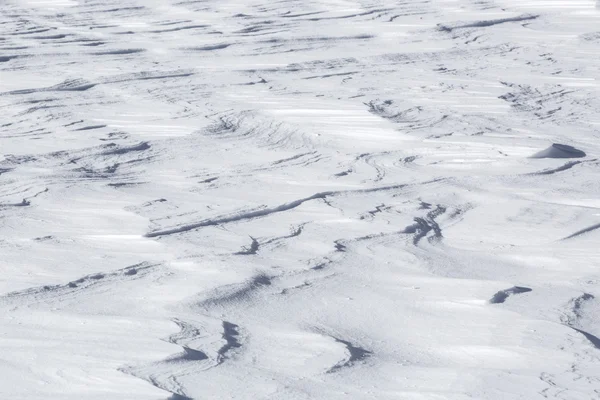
299, 199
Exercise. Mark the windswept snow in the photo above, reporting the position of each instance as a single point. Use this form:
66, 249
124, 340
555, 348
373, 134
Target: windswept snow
560, 151
299, 200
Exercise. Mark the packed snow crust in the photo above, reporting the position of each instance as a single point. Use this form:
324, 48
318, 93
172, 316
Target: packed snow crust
299, 199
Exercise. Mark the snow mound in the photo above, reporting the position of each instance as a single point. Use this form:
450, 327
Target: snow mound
559, 151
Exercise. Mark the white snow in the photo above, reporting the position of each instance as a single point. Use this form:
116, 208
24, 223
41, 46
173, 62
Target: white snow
299, 199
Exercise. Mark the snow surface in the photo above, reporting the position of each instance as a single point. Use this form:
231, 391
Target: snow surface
298, 199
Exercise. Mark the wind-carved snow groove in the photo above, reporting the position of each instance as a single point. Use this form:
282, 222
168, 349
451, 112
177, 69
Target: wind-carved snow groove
237, 292
85, 283
562, 168
248, 125
414, 118
270, 210
363, 14
340, 245
251, 250
203, 348
66, 86
574, 309
23, 203
425, 225
371, 160
148, 76
486, 23
124, 150
109, 149
180, 28
573, 317
501, 296
378, 209
118, 52
106, 162
322, 264
548, 103
593, 339
355, 354
211, 47
185, 338
293, 158
90, 127
295, 231
189, 338
230, 335
582, 231
299, 160
422, 227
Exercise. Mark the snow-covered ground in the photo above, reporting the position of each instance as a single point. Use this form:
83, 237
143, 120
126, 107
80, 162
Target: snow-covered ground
299, 199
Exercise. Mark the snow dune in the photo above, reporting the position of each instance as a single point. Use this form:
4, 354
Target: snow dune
299, 199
